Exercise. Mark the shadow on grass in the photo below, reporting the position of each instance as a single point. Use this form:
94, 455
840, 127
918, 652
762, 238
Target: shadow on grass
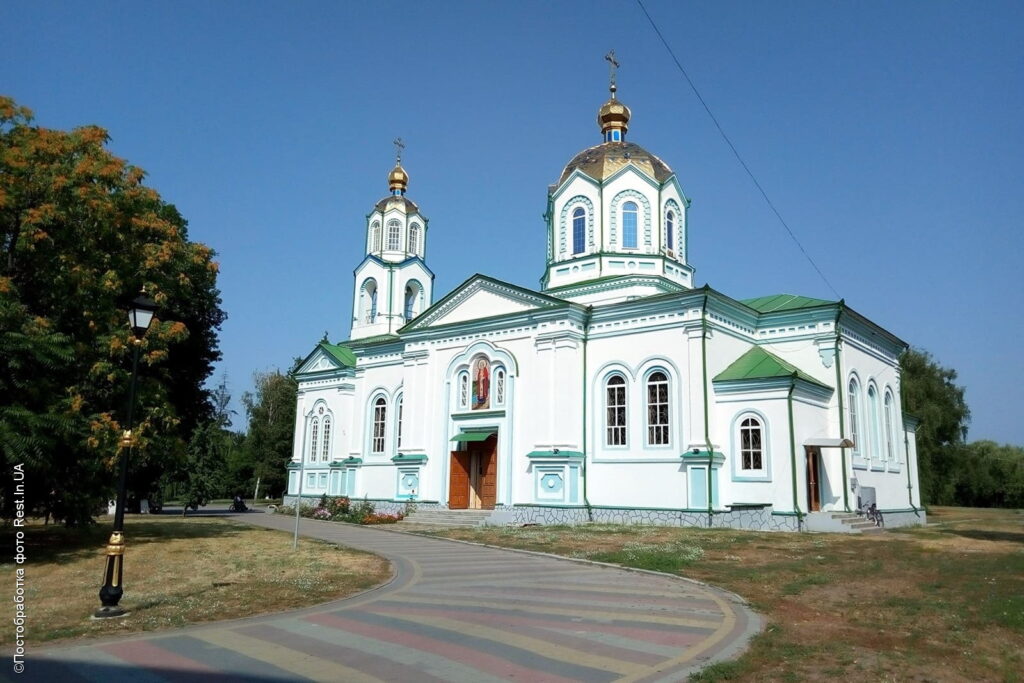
60, 545
984, 535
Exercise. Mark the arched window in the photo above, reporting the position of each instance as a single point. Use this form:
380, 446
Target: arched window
394, 236
615, 411
414, 239
579, 230
875, 425
464, 390
629, 211
855, 430
375, 237
398, 423
325, 454
410, 301
314, 438
670, 230
657, 409
890, 446
368, 301
751, 445
499, 386
380, 414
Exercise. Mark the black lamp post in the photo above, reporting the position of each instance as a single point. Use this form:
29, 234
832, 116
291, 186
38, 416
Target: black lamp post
140, 315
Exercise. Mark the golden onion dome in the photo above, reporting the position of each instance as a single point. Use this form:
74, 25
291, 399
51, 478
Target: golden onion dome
398, 179
613, 115
604, 160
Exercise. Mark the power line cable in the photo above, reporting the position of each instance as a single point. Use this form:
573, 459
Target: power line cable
734, 150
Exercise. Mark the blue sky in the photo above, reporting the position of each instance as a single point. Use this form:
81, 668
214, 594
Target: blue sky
889, 135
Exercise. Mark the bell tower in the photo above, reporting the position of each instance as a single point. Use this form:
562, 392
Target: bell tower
393, 283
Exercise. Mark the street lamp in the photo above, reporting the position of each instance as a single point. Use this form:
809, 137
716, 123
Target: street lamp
140, 315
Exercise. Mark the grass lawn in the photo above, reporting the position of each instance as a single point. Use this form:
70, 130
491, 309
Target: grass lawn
940, 603
178, 571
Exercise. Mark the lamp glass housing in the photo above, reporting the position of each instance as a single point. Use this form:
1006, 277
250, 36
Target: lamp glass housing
140, 315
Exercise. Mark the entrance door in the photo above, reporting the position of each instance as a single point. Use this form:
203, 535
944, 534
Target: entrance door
813, 479
458, 481
489, 472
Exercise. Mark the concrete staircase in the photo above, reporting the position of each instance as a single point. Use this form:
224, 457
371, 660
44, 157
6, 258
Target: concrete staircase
856, 524
446, 518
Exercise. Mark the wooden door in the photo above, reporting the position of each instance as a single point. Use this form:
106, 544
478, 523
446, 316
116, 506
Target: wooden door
813, 483
489, 473
458, 481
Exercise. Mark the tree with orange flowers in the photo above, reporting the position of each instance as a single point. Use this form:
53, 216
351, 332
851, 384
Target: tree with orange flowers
80, 236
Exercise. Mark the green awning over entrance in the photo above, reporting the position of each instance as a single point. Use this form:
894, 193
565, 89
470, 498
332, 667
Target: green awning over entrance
472, 436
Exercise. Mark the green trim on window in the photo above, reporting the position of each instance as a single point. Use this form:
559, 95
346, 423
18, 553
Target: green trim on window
478, 413
701, 457
410, 457
551, 454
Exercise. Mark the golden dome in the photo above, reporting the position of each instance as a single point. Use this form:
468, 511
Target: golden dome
604, 160
613, 115
398, 179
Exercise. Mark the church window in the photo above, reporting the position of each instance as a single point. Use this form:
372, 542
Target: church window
855, 430
499, 386
890, 450
629, 210
464, 390
751, 444
670, 229
326, 453
873, 426
657, 409
380, 414
414, 240
410, 301
372, 313
394, 236
579, 230
398, 423
314, 438
375, 237
615, 421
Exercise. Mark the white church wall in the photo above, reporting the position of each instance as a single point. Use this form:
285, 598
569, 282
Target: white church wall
872, 466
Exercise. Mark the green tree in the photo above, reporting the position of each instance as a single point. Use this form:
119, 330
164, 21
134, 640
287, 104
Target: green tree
80, 235
931, 394
271, 411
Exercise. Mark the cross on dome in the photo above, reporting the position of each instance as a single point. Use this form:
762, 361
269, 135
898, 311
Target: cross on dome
613, 116
398, 179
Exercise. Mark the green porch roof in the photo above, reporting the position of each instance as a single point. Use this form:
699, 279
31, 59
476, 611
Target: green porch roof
342, 354
783, 302
759, 364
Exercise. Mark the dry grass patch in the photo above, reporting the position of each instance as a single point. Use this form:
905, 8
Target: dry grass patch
944, 602
180, 571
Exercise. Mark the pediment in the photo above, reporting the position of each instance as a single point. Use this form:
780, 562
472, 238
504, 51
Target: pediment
319, 361
482, 297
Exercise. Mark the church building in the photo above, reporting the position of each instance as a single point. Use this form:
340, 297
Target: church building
617, 392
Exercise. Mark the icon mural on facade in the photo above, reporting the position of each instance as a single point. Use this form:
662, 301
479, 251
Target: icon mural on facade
481, 384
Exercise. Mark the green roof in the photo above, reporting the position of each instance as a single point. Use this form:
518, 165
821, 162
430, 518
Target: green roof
783, 302
342, 354
759, 364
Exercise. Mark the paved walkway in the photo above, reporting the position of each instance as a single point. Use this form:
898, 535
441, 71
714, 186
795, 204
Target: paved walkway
454, 612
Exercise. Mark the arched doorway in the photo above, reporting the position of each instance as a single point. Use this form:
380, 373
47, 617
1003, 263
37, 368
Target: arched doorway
473, 480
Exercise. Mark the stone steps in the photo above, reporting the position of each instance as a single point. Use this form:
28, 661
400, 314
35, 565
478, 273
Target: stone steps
857, 523
447, 518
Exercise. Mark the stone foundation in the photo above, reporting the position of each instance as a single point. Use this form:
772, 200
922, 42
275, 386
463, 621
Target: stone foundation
758, 518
